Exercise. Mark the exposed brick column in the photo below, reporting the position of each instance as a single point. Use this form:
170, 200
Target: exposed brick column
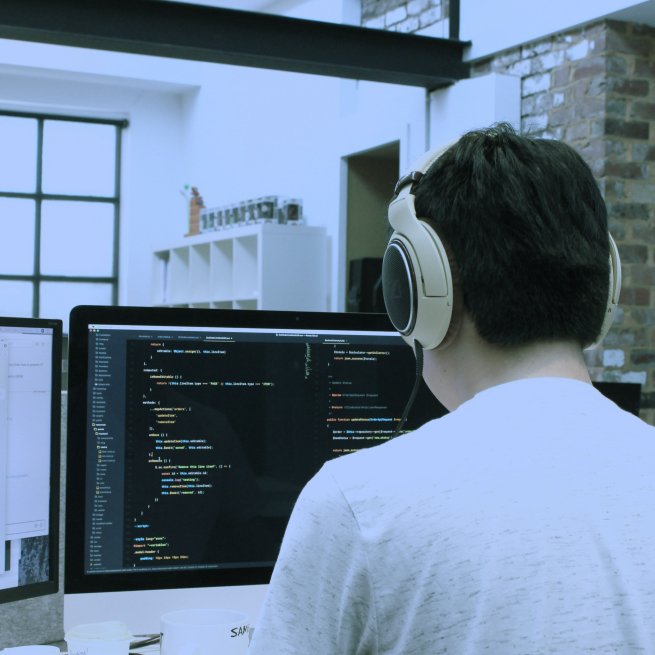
591, 87
594, 88
630, 193
403, 15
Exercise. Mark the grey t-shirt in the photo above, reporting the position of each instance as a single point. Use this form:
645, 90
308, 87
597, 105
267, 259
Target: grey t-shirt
523, 522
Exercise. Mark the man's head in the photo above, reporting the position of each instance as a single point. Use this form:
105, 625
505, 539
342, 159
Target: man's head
526, 225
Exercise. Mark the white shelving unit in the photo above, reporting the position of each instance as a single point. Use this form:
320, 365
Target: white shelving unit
268, 266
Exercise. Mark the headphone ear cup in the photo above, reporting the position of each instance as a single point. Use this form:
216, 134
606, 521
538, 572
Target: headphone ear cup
416, 277
414, 313
399, 286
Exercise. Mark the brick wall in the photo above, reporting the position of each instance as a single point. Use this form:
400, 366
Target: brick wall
403, 15
594, 88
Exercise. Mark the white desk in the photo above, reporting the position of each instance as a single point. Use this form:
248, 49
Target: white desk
153, 649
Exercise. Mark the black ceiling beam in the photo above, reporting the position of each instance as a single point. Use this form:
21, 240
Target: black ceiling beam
226, 36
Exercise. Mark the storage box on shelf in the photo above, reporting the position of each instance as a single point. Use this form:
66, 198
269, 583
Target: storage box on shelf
266, 266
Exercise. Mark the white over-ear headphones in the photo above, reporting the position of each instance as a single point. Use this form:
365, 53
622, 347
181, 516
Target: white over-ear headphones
416, 279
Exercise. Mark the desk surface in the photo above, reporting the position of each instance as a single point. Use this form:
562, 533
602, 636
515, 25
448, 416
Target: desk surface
147, 650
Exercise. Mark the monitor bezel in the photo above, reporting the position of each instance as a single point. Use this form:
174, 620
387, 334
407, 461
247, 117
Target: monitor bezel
75, 579
52, 585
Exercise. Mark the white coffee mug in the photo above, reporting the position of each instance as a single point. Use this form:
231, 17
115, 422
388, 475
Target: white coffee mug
205, 632
108, 638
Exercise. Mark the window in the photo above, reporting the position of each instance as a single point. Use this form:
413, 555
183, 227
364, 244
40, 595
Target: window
59, 214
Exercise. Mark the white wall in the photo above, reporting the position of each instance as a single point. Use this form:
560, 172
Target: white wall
371, 115
235, 133
151, 203
502, 24
151, 153
329, 11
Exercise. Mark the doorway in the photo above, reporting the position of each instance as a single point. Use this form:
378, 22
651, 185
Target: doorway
371, 178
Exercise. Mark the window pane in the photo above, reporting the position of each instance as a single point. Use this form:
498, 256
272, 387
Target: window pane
77, 238
17, 236
78, 158
16, 298
18, 154
58, 298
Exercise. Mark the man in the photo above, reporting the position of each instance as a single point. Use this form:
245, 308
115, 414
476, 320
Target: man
523, 521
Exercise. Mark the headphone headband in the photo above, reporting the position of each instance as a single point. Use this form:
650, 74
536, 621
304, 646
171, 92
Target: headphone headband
420, 167
413, 177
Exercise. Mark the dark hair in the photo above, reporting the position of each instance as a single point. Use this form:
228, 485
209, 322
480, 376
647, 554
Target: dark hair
528, 228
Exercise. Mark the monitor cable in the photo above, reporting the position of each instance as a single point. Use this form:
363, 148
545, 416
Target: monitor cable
148, 641
418, 351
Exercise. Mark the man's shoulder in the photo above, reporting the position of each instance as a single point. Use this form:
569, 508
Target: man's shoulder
476, 431
391, 457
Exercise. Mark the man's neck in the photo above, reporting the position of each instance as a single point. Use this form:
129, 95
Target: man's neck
470, 365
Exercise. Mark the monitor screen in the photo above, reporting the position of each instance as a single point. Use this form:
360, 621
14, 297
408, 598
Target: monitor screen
192, 433
30, 418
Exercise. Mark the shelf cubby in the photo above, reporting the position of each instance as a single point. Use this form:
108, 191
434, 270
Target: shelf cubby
221, 269
269, 266
160, 292
246, 269
199, 273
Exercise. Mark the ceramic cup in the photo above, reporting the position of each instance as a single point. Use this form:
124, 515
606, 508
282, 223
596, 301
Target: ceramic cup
109, 638
204, 632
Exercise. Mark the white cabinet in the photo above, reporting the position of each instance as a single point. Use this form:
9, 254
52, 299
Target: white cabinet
268, 266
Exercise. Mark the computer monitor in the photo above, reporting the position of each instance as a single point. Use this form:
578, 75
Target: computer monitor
627, 395
192, 432
30, 424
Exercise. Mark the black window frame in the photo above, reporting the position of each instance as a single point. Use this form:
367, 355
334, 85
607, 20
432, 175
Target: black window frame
38, 196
